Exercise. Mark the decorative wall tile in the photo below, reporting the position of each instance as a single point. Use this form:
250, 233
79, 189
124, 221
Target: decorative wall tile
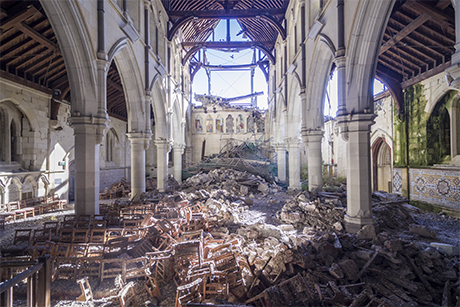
437, 186
397, 181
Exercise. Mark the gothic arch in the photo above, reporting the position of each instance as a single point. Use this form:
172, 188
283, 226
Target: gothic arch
13, 104
381, 165
158, 101
76, 47
294, 109
313, 108
130, 74
362, 54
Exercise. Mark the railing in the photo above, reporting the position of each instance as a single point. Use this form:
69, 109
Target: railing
38, 277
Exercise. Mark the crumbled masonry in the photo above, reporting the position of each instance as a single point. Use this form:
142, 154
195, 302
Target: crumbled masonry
207, 242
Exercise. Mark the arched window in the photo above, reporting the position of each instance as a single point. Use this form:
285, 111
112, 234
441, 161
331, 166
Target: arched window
209, 124
110, 142
229, 124
198, 124
219, 124
14, 141
239, 124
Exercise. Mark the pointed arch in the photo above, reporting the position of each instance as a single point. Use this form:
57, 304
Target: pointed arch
362, 53
158, 101
75, 44
131, 79
321, 65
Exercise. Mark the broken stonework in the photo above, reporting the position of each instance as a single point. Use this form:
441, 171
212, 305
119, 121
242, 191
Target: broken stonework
367, 232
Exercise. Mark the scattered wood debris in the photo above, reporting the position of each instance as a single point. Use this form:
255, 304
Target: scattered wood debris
193, 242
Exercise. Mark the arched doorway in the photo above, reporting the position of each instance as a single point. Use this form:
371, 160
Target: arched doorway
381, 166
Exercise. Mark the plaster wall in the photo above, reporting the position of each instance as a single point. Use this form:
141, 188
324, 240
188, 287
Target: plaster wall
216, 140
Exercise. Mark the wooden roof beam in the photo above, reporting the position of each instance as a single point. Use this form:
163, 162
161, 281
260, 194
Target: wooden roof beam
32, 33
228, 14
405, 32
433, 12
16, 19
195, 46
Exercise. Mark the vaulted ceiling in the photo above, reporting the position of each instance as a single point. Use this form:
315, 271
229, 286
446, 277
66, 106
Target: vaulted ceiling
418, 41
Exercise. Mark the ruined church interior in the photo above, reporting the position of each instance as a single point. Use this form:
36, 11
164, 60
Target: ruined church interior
229, 153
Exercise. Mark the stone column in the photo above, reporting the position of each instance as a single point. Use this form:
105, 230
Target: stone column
178, 150
88, 137
356, 131
312, 140
293, 147
163, 148
453, 72
139, 144
281, 160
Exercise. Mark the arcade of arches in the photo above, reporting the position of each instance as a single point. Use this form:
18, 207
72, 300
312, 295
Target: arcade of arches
93, 93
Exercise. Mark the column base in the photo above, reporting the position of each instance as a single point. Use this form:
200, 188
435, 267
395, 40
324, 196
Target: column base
354, 224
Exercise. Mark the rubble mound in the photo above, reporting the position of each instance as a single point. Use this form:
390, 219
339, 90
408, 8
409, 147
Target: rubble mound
236, 182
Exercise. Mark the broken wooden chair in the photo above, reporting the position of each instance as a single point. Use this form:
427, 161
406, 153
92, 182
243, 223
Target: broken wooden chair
189, 293
86, 292
126, 292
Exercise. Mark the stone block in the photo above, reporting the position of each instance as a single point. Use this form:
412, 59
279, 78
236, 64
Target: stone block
366, 233
449, 249
422, 230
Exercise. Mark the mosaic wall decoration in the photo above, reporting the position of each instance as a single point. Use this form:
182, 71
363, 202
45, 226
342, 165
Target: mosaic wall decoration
397, 181
437, 186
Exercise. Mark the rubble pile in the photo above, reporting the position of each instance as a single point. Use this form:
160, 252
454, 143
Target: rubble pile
197, 240
305, 213
233, 181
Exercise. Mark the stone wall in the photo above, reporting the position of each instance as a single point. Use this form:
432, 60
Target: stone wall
217, 130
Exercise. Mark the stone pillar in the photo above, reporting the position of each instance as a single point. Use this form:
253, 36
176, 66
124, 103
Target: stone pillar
88, 137
163, 148
139, 144
456, 56
356, 131
312, 140
281, 160
293, 147
341, 62
453, 72
178, 150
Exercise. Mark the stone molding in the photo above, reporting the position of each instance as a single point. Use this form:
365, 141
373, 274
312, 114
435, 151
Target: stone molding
354, 123
140, 138
89, 125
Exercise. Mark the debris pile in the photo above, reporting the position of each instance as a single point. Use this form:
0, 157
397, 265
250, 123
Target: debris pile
195, 240
250, 156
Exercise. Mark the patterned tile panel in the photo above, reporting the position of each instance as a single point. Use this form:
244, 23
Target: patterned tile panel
437, 186
397, 181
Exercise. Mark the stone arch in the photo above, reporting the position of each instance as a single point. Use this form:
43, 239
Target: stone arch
29, 187
438, 131
279, 122
14, 189
76, 47
313, 108
12, 125
381, 165
24, 109
112, 141
362, 53
158, 101
178, 128
294, 110
131, 79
